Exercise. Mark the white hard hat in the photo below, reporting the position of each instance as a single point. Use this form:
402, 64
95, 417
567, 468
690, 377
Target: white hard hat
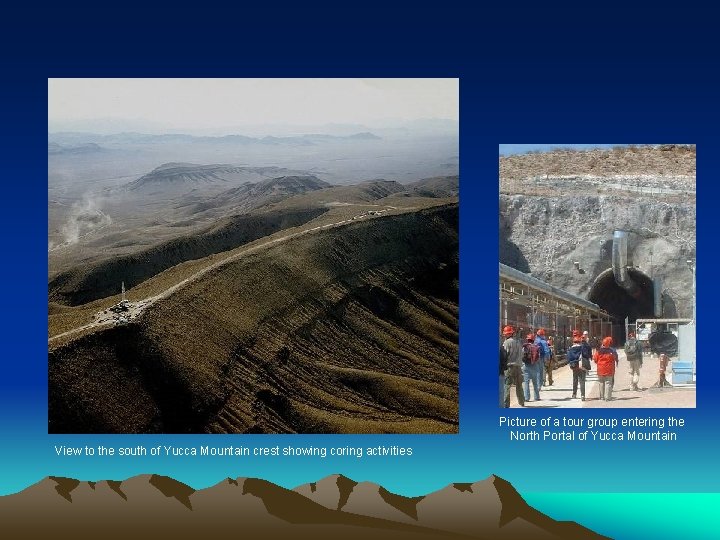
585, 333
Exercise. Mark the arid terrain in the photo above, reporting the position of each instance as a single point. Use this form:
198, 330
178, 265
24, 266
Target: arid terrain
259, 300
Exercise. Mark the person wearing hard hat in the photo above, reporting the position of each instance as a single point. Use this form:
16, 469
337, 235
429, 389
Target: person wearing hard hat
513, 374
503, 369
532, 367
544, 357
633, 354
549, 363
578, 357
606, 359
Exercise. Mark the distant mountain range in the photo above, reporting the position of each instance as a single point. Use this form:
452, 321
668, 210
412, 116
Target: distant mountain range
334, 507
183, 176
84, 148
115, 125
132, 138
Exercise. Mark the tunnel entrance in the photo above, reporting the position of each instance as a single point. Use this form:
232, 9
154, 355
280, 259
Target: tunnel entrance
607, 294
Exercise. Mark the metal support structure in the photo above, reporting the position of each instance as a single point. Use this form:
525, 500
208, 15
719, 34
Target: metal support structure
530, 303
694, 266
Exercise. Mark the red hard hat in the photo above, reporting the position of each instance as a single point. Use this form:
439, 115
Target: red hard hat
541, 332
508, 331
607, 342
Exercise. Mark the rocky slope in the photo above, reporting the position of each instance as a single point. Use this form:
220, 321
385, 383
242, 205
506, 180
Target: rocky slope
99, 280
253, 195
351, 330
670, 166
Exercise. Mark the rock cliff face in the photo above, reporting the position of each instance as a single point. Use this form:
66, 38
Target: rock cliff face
546, 235
547, 223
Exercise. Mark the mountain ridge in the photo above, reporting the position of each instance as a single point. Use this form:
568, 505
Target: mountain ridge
349, 329
131, 137
264, 506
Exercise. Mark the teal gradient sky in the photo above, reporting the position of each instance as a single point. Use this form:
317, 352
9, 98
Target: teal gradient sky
660, 516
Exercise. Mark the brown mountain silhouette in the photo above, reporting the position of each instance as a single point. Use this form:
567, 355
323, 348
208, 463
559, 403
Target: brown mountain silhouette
366, 498
488, 506
330, 508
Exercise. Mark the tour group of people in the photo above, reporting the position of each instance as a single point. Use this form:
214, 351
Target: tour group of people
531, 362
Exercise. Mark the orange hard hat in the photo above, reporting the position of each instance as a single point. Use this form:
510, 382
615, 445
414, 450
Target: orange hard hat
607, 342
508, 331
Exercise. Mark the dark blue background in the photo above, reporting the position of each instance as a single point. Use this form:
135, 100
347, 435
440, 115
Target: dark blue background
527, 75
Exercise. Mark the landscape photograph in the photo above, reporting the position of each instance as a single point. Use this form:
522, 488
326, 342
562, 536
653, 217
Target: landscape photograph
253, 256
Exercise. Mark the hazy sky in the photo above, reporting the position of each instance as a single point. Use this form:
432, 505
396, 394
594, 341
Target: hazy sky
212, 103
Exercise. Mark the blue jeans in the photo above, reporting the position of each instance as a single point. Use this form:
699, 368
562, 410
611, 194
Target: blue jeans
532, 372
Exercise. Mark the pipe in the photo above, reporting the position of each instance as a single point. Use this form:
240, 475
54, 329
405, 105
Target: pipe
620, 265
657, 289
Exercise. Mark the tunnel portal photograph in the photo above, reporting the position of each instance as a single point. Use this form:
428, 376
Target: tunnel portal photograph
597, 275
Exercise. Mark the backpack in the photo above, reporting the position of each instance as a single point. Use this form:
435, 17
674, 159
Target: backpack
573, 355
631, 348
503, 360
543, 346
531, 353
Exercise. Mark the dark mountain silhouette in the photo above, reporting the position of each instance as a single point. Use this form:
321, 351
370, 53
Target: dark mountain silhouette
154, 504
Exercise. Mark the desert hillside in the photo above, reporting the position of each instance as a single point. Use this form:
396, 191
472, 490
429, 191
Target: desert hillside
350, 330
